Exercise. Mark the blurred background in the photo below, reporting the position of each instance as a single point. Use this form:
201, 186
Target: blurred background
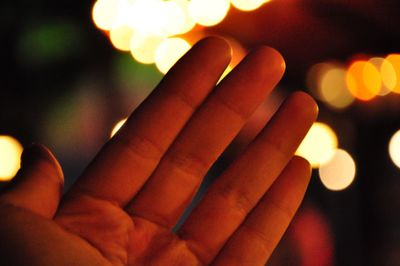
72, 71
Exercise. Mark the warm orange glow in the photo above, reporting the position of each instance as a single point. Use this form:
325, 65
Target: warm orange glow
363, 80
387, 74
120, 37
339, 172
10, 154
394, 60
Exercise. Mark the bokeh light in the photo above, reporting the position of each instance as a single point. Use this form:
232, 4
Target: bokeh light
188, 23
387, 72
208, 12
120, 37
394, 148
318, 144
143, 48
117, 127
363, 80
169, 52
339, 171
332, 87
10, 157
394, 60
105, 13
247, 5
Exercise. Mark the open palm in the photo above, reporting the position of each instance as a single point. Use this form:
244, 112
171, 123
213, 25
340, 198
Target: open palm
122, 209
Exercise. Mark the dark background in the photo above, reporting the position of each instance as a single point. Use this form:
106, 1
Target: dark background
64, 85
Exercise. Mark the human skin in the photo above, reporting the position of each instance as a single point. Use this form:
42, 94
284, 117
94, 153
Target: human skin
122, 209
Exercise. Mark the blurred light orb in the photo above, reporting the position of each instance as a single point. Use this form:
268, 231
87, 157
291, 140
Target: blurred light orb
188, 23
332, 88
363, 80
169, 52
318, 144
10, 157
388, 74
120, 37
208, 12
247, 5
338, 172
105, 13
394, 60
394, 148
117, 127
175, 18
143, 48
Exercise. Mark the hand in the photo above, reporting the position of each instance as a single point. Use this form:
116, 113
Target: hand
123, 207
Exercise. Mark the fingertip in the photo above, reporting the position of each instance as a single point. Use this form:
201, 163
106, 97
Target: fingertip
270, 57
305, 103
38, 154
216, 45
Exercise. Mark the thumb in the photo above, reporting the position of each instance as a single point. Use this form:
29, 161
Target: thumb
38, 184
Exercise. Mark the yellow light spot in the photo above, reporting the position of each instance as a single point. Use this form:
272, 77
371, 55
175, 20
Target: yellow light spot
339, 172
10, 156
169, 52
143, 48
120, 37
105, 13
318, 144
226, 72
208, 12
394, 148
363, 80
247, 5
394, 60
332, 88
118, 126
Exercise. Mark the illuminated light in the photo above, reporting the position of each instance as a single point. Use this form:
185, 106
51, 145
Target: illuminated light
143, 48
208, 12
175, 20
169, 52
247, 5
394, 148
121, 37
363, 80
148, 17
10, 157
117, 126
318, 144
394, 60
188, 23
105, 13
388, 74
332, 88
339, 172
226, 72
